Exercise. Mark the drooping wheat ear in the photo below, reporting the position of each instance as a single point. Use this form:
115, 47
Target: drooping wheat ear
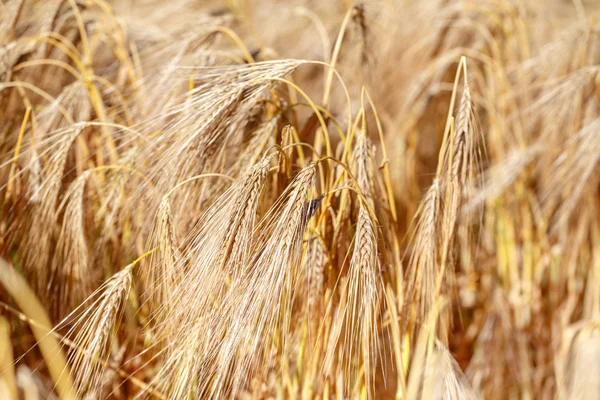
217, 253
498, 178
94, 331
218, 246
315, 267
158, 275
75, 98
114, 201
260, 304
71, 274
236, 246
220, 106
212, 127
360, 20
36, 247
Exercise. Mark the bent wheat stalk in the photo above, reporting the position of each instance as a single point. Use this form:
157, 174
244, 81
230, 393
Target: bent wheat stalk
51, 350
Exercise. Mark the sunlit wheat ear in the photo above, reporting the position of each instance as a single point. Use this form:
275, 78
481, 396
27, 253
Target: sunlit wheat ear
443, 379
113, 202
220, 106
158, 274
423, 262
334, 362
9, 57
216, 252
241, 223
185, 360
212, 254
364, 285
438, 213
94, 331
221, 247
364, 291
71, 274
550, 61
37, 243
315, 261
460, 166
210, 131
461, 171
584, 365
463, 157
363, 166
260, 304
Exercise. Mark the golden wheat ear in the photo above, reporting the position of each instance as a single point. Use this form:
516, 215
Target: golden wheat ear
361, 338
213, 262
37, 244
423, 262
315, 262
199, 269
364, 285
259, 306
432, 264
93, 331
72, 275
159, 276
217, 119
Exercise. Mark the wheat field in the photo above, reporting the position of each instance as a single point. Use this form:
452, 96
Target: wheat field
260, 199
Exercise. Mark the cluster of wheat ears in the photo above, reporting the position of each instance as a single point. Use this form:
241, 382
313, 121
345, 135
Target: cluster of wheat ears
256, 199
